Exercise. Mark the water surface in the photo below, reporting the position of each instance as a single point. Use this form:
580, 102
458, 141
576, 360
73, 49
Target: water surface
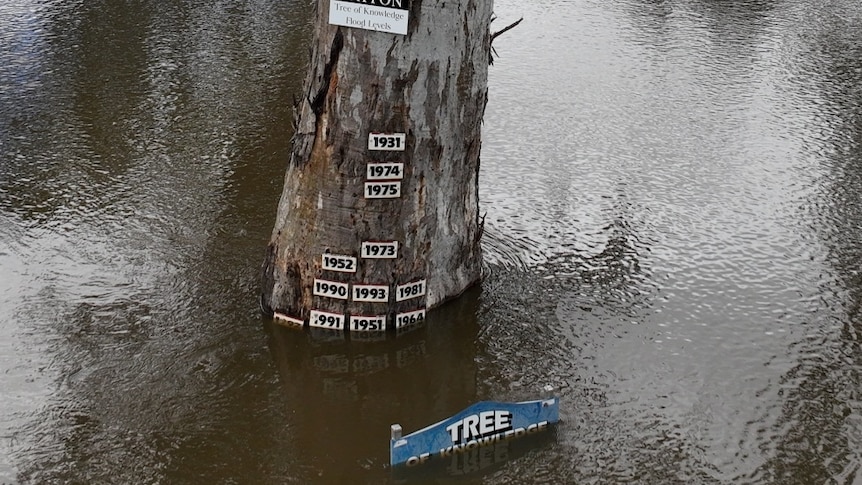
672, 241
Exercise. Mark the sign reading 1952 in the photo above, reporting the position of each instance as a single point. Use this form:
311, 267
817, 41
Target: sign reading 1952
331, 289
360, 323
387, 141
409, 318
379, 249
382, 190
385, 171
321, 319
337, 262
372, 293
407, 291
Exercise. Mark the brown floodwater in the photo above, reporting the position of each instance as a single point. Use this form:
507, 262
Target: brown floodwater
673, 240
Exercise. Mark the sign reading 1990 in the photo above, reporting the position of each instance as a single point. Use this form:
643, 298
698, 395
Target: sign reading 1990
381, 15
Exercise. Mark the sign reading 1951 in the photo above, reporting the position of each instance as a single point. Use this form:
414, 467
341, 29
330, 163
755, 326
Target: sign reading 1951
360, 323
395, 142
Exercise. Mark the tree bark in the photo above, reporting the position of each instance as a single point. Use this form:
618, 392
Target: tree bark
431, 85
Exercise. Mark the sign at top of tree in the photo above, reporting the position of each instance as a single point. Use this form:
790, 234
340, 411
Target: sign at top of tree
382, 15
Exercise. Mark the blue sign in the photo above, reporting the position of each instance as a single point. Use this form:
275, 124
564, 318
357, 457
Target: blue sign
484, 423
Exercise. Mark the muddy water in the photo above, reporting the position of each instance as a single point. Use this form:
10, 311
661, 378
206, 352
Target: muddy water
672, 241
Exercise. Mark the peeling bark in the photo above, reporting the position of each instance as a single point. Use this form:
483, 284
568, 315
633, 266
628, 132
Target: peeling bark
430, 84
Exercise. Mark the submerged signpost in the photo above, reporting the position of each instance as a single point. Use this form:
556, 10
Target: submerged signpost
482, 424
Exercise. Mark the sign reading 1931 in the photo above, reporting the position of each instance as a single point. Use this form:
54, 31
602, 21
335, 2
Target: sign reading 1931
381, 15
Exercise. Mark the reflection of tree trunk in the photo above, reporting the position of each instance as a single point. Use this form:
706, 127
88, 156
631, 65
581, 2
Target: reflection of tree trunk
343, 396
430, 84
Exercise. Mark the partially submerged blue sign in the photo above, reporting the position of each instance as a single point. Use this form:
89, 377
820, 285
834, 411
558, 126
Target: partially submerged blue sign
483, 423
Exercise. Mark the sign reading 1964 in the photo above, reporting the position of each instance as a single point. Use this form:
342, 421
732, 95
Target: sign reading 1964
395, 142
409, 318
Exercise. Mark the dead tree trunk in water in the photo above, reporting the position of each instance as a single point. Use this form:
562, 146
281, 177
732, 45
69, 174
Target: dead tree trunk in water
364, 231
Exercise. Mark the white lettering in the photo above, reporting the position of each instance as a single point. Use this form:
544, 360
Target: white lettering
479, 426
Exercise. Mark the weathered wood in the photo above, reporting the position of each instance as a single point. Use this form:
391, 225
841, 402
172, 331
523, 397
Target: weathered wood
430, 84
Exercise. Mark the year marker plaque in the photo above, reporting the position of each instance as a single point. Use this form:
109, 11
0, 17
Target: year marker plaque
330, 289
359, 323
395, 142
382, 190
379, 249
337, 262
410, 290
372, 293
384, 171
409, 318
321, 319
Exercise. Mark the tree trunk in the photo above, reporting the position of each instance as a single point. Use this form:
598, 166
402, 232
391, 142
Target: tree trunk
431, 85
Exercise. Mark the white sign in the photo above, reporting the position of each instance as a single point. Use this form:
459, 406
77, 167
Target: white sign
337, 262
409, 318
382, 190
379, 249
326, 320
394, 142
372, 293
360, 323
287, 319
385, 171
331, 289
410, 290
381, 15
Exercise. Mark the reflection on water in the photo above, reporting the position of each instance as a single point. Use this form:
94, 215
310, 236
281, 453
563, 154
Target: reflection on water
672, 241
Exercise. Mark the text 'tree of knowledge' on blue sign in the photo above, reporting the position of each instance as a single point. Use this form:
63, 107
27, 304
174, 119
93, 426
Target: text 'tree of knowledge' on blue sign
381, 15
483, 423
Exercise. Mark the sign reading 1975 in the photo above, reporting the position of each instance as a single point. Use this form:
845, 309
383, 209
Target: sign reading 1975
381, 15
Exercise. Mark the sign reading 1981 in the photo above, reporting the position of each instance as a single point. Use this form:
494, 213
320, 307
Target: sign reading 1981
395, 142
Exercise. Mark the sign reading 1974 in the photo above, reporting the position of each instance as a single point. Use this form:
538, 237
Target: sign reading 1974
395, 142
